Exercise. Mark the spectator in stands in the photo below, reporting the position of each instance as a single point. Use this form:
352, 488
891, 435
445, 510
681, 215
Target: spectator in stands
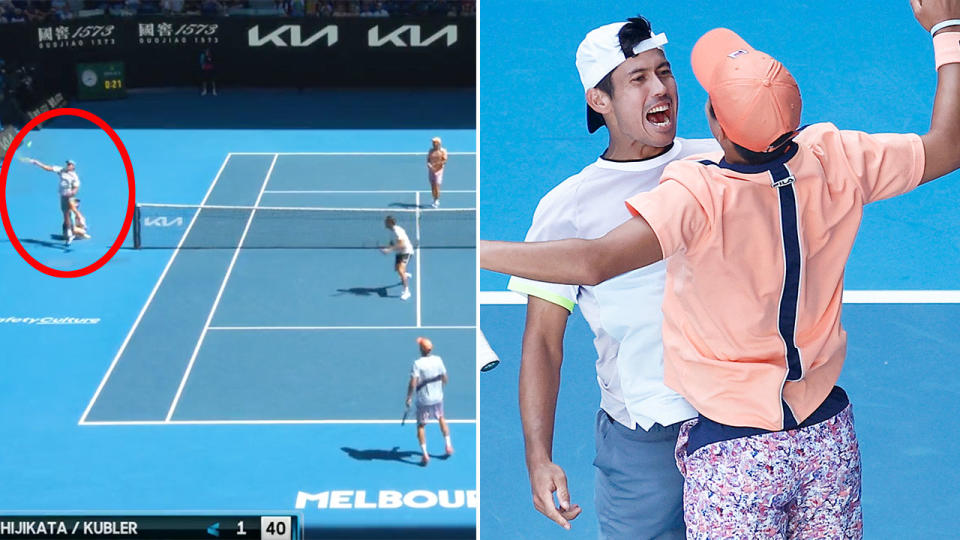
61, 10
172, 7
345, 9
211, 7
297, 8
6, 11
325, 8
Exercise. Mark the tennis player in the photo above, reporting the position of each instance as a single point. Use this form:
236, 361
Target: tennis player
427, 379
403, 248
757, 239
630, 88
74, 224
436, 161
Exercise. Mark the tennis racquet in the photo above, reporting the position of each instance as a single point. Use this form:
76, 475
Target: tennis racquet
406, 413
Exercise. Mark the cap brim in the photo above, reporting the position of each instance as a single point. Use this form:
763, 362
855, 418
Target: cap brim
710, 49
594, 120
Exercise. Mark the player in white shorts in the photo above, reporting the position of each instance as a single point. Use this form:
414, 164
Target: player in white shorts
74, 224
402, 246
427, 379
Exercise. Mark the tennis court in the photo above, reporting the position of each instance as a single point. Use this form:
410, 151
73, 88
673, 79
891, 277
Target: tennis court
901, 281
336, 300
237, 367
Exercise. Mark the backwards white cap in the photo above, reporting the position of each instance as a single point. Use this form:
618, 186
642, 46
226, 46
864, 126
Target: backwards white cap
599, 53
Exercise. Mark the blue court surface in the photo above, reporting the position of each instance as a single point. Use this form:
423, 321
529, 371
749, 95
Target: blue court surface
261, 375
901, 280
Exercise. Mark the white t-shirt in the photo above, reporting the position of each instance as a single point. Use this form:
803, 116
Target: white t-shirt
429, 368
624, 312
400, 235
69, 180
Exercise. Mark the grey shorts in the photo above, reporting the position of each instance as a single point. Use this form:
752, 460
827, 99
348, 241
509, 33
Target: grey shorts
65, 203
638, 490
426, 412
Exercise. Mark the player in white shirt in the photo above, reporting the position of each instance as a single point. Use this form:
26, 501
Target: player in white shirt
74, 224
403, 247
629, 87
427, 379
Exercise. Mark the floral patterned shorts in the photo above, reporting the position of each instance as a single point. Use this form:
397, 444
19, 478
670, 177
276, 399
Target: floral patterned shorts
797, 484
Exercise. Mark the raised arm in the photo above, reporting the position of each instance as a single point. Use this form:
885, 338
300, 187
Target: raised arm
940, 143
575, 261
43, 166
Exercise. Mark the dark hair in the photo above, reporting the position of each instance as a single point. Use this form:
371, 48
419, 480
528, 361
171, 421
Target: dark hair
389, 221
756, 158
636, 30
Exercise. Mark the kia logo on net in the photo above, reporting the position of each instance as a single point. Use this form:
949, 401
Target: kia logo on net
289, 35
163, 221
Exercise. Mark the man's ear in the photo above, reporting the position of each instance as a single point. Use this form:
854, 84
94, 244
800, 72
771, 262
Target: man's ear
599, 101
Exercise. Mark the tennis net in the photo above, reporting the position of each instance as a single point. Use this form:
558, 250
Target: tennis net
226, 227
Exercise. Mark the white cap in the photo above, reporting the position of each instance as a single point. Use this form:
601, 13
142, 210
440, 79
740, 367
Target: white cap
599, 53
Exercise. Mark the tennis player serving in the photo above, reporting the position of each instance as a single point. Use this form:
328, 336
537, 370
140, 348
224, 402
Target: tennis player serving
427, 379
402, 246
74, 224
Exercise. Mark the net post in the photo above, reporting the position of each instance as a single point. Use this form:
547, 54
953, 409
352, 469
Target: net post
136, 227
416, 217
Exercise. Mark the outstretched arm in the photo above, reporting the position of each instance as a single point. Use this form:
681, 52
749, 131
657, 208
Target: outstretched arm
940, 143
575, 261
42, 165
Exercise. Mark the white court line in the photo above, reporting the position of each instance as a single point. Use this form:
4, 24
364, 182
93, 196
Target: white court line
344, 153
417, 257
269, 328
246, 422
153, 292
363, 191
901, 297
216, 301
506, 298
321, 209
849, 297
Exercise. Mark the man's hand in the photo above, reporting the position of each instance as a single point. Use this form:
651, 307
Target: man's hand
545, 479
931, 12
409, 399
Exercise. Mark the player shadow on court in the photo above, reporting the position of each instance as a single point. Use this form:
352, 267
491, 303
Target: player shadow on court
382, 292
410, 457
410, 206
55, 242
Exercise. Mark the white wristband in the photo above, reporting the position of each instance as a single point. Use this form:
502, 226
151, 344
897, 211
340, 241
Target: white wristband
944, 24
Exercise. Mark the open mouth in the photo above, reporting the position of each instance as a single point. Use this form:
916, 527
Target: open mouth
659, 116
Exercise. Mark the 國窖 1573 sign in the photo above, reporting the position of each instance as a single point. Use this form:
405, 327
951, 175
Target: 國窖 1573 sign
75, 36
